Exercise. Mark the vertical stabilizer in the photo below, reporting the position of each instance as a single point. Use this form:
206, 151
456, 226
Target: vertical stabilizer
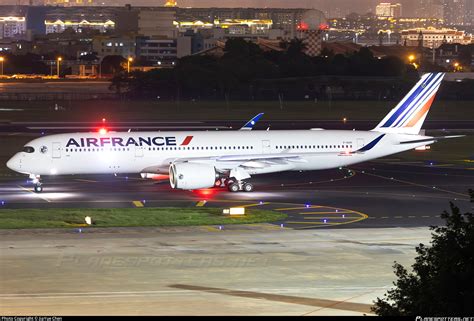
408, 116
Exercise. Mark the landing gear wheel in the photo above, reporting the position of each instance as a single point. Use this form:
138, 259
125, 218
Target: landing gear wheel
234, 187
38, 188
248, 187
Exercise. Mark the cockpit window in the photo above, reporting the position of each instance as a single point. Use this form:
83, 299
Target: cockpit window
28, 149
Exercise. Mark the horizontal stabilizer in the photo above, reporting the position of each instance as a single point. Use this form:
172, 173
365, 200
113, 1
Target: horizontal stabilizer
431, 139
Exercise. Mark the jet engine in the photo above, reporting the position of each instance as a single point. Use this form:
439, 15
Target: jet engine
192, 176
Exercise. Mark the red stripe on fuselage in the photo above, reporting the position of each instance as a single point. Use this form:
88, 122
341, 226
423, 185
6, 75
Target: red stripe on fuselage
187, 140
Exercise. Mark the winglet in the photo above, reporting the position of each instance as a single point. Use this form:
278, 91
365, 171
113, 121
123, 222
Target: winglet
249, 125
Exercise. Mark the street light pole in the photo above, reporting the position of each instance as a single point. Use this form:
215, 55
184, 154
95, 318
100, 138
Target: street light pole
59, 63
129, 60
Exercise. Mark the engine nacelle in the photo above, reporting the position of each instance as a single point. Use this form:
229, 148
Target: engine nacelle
192, 176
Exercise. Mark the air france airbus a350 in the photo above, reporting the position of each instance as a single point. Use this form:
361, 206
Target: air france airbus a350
197, 160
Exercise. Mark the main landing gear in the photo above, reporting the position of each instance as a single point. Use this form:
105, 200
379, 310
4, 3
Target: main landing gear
36, 181
237, 186
235, 181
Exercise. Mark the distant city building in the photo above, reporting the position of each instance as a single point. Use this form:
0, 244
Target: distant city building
286, 20
232, 26
12, 27
69, 3
59, 26
430, 9
433, 38
366, 29
120, 45
126, 19
57, 20
171, 3
157, 22
456, 12
470, 13
158, 51
387, 9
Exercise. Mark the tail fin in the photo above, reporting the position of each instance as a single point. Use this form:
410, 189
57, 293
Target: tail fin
408, 116
249, 125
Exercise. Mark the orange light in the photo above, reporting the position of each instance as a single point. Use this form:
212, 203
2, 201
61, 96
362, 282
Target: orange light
205, 193
103, 131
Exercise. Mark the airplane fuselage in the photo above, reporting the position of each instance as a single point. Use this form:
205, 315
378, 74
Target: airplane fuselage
138, 152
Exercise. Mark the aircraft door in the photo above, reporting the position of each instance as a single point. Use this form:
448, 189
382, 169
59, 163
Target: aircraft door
266, 149
360, 143
56, 150
138, 151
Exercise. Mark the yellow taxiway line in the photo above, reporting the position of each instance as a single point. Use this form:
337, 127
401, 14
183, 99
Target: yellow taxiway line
36, 194
138, 204
201, 203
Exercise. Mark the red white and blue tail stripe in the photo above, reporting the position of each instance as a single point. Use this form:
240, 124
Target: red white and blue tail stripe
408, 116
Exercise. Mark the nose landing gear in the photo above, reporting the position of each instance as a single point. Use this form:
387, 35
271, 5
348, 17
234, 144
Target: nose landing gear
38, 188
38, 185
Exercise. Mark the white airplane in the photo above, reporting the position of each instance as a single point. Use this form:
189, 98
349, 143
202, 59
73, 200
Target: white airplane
247, 126
197, 160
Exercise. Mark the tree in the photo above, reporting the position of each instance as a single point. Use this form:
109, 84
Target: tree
113, 64
442, 281
239, 47
465, 56
25, 64
295, 47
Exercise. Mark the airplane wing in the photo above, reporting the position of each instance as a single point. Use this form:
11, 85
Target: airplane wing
256, 163
249, 125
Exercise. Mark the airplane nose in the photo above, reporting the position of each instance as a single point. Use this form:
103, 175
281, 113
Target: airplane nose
14, 163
